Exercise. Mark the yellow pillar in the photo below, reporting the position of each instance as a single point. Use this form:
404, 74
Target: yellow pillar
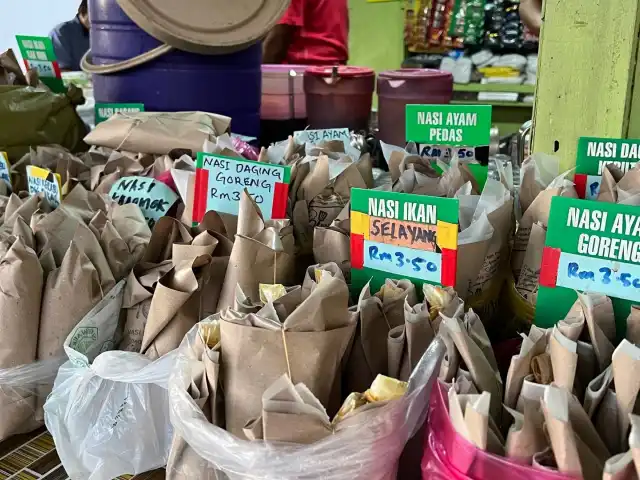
586, 73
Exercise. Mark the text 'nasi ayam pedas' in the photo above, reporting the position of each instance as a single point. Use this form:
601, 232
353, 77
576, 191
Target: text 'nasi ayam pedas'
448, 126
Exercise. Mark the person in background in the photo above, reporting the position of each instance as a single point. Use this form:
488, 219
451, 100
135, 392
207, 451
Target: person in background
71, 39
311, 32
531, 14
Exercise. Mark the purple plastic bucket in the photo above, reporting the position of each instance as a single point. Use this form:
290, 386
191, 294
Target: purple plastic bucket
228, 84
283, 93
399, 88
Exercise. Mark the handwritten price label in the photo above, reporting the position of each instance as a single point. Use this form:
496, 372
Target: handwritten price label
403, 261
589, 274
153, 197
221, 180
446, 153
317, 136
44, 69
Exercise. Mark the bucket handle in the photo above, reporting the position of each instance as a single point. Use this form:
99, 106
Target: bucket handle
88, 67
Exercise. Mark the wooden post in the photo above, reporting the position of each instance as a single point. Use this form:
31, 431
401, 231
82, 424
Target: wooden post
586, 72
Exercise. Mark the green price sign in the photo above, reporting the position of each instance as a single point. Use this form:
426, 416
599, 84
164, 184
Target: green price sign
104, 111
38, 54
401, 235
594, 154
590, 247
452, 125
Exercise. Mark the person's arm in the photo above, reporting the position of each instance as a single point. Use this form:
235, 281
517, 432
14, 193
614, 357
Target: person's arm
531, 14
277, 42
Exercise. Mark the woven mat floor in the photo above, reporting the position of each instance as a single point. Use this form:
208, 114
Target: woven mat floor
33, 456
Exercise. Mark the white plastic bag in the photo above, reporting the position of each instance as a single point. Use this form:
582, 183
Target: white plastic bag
111, 417
19, 387
364, 451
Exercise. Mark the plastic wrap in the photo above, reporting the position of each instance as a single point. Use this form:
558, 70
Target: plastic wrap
111, 418
363, 451
449, 456
108, 412
19, 388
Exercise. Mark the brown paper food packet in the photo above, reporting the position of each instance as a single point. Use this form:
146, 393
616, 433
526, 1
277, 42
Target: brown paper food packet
70, 292
633, 325
634, 440
620, 467
128, 229
309, 346
470, 417
442, 301
321, 196
520, 367
291, 413
571, 455
601, 325
20, 297
394, 294
478, 334
564, 359
284, 299
366, 358
407, 343
262, 253
175, 307
212, 289
165, 233
496, 202
183, 461
611, 175
526, 435
57, 229
158, 133
536, 212
527, 284
484, 376
331, 244
136, 302
611, 410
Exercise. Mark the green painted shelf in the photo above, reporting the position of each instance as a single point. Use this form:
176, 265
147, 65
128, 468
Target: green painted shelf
493, 102
494, 87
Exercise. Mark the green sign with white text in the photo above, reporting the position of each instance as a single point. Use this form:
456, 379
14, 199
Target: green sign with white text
38, 54
400, 235
105, 111
590, 247
594, 154
453, 125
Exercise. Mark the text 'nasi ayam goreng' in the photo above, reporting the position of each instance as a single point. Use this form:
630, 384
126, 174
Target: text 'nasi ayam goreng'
627, 250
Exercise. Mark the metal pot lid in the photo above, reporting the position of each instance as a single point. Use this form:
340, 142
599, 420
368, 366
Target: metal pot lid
410, 73
205, 26
340, 70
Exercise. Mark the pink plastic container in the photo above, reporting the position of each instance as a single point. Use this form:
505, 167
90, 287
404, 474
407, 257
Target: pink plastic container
399, 88
283, 92
339, 96
448, 456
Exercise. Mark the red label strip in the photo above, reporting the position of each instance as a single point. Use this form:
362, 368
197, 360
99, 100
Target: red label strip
449, 265
357, 251
280, 197
200, 194
580, 180
549, 266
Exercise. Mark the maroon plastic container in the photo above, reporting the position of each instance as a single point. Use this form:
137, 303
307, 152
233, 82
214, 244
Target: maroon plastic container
399, 88
339, 96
